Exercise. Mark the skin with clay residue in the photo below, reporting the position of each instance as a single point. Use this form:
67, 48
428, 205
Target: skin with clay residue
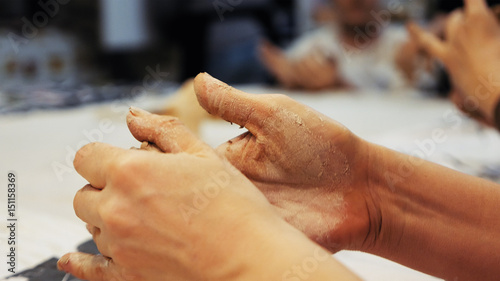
308, 190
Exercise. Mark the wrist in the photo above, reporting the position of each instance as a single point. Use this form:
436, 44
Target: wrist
385, 172
361, 211
429, 217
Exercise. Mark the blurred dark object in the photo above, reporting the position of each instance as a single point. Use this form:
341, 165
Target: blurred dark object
447, 6
187, 37
58, 95
444, 83
219, 37
47, 271
88, 247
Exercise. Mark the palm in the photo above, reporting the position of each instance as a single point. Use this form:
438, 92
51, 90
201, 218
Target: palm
302, 161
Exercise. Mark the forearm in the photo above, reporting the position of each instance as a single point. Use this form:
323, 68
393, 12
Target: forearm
434, 219
281, 252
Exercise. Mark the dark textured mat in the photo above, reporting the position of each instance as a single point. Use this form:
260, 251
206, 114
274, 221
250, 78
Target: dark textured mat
47, 271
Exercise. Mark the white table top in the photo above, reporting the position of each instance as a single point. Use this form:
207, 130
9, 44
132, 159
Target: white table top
33, 143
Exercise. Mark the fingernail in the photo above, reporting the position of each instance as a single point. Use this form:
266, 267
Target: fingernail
62, 263
137, 111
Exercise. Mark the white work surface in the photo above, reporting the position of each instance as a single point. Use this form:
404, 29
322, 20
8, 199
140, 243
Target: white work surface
32, 143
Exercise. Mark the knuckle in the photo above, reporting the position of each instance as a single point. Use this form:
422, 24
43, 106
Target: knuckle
123, 170
168, 121
120, 253
78, 203
111, 218
279, 99
117, 220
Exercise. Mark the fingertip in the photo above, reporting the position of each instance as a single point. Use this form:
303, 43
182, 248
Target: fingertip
414, 30
85, 151
226, 102
427, 41
138, 112
204, 85
135, 126
63, 263
200, 85
475, 6
86, 266
82, 153
93, 160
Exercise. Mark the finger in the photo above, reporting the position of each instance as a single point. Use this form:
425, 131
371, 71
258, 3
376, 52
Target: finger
230, 104
247, 155
270, 56
241, 152
85, 205
475, 6
310, 66
91, 229
88, 267
303, 73
98, 238
429, 42
277, 63
319, 57
167, 132
267, 48
454, 25
93, 160
150, 147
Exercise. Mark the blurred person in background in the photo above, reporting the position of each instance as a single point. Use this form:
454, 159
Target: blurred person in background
358, 47
470, 55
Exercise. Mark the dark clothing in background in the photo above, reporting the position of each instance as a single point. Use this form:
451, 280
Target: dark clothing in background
450, 5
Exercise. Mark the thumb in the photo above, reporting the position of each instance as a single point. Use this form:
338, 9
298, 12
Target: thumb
230, 104
429, 42
475, 6
88, 267
168, 133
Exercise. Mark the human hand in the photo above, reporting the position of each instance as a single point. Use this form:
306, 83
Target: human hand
407, 58
411, 57
183, 215
316, 72
312, 169
460, 102
312, 72
470, 53
277, 63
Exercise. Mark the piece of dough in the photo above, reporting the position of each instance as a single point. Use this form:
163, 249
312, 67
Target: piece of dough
184, 105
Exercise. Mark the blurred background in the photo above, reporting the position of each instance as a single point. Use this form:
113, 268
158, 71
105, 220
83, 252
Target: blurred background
68, 52
70, 69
